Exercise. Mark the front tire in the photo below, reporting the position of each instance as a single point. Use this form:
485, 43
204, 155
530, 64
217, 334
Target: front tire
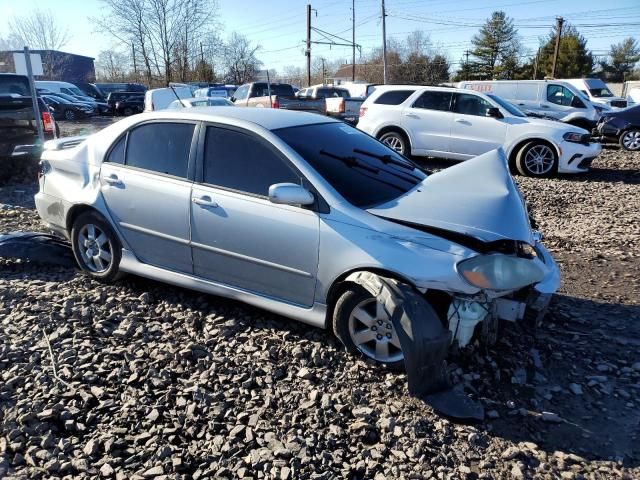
70, 115
395, 141
362, 324
128, 112
537, 159
96, 247
630, 140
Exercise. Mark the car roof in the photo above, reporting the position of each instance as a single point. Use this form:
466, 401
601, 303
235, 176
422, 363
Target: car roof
269, 118
388, 88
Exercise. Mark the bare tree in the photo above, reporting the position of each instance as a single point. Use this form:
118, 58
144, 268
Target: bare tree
39, 30
240, 60
112, 66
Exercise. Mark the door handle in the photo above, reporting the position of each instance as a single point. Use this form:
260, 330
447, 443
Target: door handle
113, 180
411, 115
461, 120
205, 201
522, 104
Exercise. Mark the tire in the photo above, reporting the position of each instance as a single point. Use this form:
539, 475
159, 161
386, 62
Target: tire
396, 141
358, 302
128, 111
96, 247
537, 159
69, 115
630, 140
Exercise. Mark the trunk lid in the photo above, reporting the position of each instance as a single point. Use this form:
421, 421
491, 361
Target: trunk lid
477, 198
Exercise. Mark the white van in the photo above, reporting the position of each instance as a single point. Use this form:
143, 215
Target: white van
597, 91
61, 87
550, 98
161, 98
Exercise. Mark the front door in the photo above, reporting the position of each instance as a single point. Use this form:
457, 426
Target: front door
239, 237
428, 121
472, 132
146, 187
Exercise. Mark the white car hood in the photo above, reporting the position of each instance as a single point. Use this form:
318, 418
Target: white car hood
477, 198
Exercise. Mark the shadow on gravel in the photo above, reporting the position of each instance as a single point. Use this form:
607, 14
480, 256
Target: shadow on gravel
606, 175
581, 367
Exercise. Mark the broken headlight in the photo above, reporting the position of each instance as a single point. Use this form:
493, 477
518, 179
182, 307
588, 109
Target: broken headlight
500, 272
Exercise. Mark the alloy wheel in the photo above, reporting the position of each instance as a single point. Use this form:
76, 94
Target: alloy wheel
393, 142
539, 159
372, 332
95, 248
631, 140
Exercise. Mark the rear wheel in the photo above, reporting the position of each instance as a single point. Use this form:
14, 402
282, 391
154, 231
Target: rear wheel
396, 141
128, 111
70, 115
96, 246
537, 159
630, 140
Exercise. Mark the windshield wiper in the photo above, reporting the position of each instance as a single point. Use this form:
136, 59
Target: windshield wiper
350, 161
385, 159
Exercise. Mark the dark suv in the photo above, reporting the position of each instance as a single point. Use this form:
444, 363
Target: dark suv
114, 97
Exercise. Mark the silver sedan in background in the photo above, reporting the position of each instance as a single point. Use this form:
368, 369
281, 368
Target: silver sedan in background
304, 216
199, 102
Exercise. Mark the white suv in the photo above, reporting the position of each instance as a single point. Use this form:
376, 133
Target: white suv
460, 124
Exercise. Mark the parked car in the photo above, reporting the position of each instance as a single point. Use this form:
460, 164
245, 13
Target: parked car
129, 105
90, 90
60, 87
66, 110
555, 98
224, 91
98, 107
160, 98
18, 130
338, 101
282, 96
459, 124
115, 97
622, 127
597, 92
306, 217
200, 102
112, 87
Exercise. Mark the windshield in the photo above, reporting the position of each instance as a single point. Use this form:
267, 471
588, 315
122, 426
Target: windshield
14, 85
601, 92
512, 109
364, 171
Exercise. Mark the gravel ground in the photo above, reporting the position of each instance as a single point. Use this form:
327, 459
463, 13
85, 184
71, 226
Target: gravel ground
159, 382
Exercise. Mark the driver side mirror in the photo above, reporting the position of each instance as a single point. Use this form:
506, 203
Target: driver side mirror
494, 112
290, 194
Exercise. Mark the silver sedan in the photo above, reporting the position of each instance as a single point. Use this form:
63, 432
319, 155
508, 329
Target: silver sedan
304, 216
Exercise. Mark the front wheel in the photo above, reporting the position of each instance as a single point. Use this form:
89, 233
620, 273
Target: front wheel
630, 140
70, 115
128, 111
96, 247
537, 159
396, 141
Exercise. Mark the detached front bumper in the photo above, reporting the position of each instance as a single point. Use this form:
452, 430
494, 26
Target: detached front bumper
577, 157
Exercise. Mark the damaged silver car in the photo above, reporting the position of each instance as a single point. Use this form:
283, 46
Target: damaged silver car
306, 217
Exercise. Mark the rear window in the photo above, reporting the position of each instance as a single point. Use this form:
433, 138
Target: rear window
364, 171
396, 97
14, 84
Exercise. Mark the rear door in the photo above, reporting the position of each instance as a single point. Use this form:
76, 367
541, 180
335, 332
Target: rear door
17, 123
472, 131
146, 184
428, 121
239, 237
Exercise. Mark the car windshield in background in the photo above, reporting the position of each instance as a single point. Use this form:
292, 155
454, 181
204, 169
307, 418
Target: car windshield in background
601, 92
361, 169
512, 109
13, 85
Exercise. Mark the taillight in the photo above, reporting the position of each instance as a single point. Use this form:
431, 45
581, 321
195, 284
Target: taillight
363, 110
341, 109
47, 122
275, 103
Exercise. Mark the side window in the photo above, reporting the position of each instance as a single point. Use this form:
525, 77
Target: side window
242, 162
259, 90
161, 147
66, 90
395, 97
559, 95
241, 93
434, 101
468, 104
116, 155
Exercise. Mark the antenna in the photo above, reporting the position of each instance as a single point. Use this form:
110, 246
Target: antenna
179, 99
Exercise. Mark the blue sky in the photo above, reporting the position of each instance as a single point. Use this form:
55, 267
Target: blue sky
279, 26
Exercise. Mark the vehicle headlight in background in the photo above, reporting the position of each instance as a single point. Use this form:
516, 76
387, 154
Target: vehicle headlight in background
576, 137
500, 272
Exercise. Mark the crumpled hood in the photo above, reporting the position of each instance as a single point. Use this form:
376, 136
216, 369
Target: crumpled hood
478, 198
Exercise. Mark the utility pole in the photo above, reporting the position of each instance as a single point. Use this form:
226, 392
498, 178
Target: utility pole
34, 97
466, 64
535, 64
384, 46
559, 22
353, 29
135, 66
308, 51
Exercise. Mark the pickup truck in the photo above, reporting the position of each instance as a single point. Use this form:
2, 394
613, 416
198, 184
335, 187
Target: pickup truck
18, 130
338, 101
282, 96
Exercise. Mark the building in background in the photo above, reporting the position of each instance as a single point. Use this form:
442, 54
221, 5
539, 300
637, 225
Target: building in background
56, 65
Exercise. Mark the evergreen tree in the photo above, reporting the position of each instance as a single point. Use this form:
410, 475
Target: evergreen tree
574, 59
496, 48
624, 56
